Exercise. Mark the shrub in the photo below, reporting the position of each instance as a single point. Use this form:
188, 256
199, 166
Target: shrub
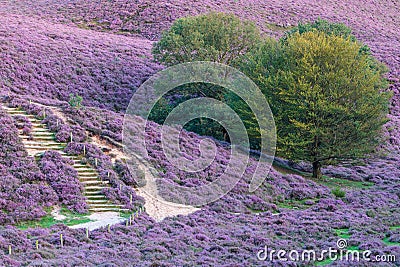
75, 101
338, 192
63, 178
216, 37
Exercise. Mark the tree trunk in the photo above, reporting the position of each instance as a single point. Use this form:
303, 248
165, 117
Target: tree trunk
225, 135
317, 170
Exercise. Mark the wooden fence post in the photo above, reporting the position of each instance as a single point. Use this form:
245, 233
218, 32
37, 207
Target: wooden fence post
61, 240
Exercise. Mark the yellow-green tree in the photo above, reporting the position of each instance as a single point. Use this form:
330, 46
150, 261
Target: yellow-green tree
328, 101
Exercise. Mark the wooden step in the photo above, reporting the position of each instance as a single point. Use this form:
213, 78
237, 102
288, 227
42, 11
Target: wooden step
73, 158
107, 209
41, 147
43, 133
96, 197
112, 206
96, 182
52, 143
91, 179
31, 118
38, 138
97, 201
90, 193
88, 176
93, 188
86, 170
16, 112
80, 166
38, 125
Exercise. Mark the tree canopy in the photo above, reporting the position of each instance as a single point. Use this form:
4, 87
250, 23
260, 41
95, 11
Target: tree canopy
216, 37
327, 99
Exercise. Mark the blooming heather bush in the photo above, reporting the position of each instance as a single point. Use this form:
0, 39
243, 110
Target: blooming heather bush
23, 123
63, 178
216, 235
125, 175
23, 193
98, 121
103, 69
200, 239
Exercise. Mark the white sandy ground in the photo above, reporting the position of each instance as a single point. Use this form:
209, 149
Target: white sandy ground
56, 214
99, 220
155, 206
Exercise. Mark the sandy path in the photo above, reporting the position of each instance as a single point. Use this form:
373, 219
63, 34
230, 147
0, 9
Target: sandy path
155, 206
99, 220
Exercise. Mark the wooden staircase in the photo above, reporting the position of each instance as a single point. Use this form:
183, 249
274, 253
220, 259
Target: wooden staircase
43, 140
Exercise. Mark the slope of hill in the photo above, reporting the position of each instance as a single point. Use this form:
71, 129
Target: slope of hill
53, 61
122, 64
100, 50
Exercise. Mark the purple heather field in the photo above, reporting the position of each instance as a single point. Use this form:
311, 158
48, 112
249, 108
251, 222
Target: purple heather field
101, 50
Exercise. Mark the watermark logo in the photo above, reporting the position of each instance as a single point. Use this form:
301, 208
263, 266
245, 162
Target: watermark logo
340, 253
144, 100
341, 243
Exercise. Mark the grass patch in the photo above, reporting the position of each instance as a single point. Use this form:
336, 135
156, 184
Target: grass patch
388, 243
343, 233
338, 192
353, 248
288, 170
331, 182
195, 249
125, 215
296, 204
324, 262
48, 220
44, 222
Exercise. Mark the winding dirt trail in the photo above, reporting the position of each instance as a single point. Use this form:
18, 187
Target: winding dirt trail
155, 205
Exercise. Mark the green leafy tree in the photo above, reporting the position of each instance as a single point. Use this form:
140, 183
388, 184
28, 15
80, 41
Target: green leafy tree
328, 102
215, 37
330, 28
337, 29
